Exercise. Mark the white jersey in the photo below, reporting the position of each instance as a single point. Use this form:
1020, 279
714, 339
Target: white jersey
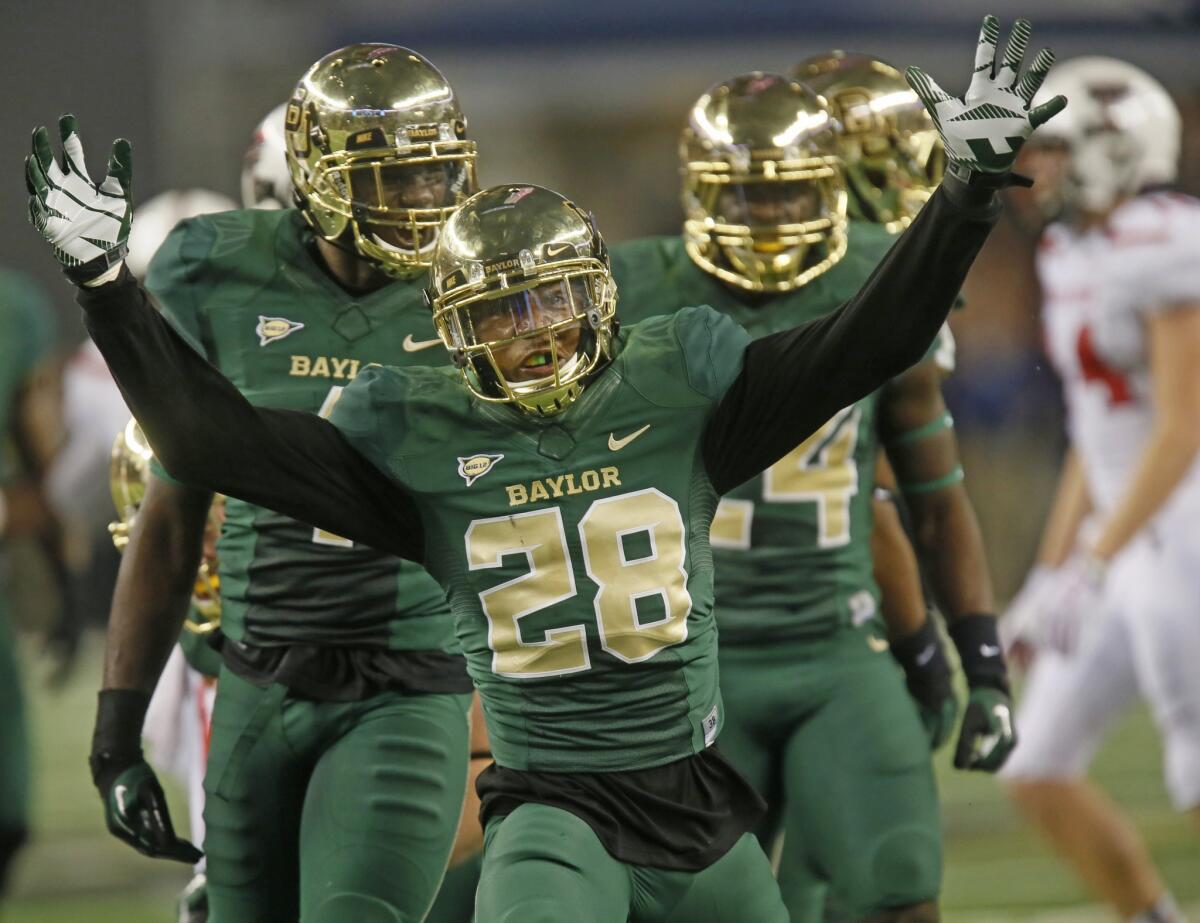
1099, 288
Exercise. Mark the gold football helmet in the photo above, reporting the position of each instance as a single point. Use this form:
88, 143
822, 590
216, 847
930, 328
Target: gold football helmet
763, 197
891, 151
523, 297
129, 470
377, 149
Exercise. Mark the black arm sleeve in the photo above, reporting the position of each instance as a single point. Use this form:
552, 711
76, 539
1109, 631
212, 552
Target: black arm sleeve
207, 434
792, 382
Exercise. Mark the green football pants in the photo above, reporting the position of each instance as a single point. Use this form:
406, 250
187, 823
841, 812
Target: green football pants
545, 865
14, 754
327, 812
827, 733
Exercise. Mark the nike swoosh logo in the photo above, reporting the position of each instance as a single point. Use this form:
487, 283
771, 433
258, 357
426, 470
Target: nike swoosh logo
876, 644
617, 444
989, 650
926, 655
412, 346
555, 250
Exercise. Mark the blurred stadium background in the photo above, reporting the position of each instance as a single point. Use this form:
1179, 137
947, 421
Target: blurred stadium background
588, 99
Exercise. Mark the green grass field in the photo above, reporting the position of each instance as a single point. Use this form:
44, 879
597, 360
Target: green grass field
996, 870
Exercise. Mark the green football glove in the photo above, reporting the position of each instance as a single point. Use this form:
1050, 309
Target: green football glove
987, 735
983, 131
135, 809
86, 225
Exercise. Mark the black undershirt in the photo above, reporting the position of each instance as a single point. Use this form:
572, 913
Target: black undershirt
206, 433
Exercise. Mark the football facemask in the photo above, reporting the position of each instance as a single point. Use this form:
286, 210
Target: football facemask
524, 329
763, 193
377, 148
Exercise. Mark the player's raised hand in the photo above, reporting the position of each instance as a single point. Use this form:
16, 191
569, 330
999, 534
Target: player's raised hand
86, 224
983, 130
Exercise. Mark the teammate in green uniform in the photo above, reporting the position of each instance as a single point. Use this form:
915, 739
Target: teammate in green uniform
804, 668
339, 738
26, 336
560, 486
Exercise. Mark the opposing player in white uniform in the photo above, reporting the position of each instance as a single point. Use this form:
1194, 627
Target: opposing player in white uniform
1113, 611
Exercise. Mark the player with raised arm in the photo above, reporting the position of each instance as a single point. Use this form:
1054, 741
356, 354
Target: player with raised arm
559, 483
339, 743
1111, 611
805, 673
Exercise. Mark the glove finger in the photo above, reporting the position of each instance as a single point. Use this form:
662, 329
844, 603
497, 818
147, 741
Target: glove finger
35, 178
1040, 115
119, 181
1014, 52
72, 147
1032, 81
926, 89
985, 54
964, 752
44, 154
182, 850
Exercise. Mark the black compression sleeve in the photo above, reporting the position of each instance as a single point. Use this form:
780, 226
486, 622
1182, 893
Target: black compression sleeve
793, 381
207, 434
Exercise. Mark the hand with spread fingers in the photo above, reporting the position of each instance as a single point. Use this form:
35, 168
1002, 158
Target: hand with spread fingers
86, 224
983, 131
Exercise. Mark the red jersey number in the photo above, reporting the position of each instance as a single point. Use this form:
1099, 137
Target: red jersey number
1096, 369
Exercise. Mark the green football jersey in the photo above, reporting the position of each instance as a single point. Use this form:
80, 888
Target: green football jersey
791, 546
243, 289
574, 548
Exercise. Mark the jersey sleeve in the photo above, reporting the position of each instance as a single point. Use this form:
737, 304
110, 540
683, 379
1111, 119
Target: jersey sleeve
207, 434
712, 346
174, 279
1168, 269
793, 381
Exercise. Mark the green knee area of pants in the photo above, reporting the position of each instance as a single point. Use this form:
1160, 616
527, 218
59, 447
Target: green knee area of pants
14, 738
545, 865
826, 732
331, 811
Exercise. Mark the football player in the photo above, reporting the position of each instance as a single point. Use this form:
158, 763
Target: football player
805, 673
26, 338
559, 483
1111, 610
339, 743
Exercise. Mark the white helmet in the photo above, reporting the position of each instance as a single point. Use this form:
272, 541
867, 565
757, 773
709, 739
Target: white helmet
266, 182
1121, 127
155, 218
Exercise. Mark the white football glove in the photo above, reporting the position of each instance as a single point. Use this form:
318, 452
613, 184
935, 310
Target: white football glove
87, 225
1074, 604
1024, 619
983, 131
